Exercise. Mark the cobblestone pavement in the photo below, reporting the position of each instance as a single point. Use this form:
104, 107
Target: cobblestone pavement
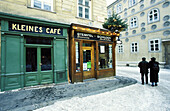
37, 97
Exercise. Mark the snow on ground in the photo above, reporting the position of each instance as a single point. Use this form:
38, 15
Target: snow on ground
135, 97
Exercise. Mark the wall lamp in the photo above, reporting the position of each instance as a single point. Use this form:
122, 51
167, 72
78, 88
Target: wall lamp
118, 41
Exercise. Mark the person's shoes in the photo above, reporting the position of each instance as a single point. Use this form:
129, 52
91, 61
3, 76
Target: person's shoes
156, 84
146, 83
142, 83
152, 85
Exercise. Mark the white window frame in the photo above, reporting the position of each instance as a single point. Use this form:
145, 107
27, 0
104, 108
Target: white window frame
132, 22
153, 16
132, 2
109, 13
84, 7
134, 47
154, 45
120, 48
42, 4
119, 8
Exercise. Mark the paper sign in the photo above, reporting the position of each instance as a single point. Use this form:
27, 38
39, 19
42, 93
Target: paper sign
84, 66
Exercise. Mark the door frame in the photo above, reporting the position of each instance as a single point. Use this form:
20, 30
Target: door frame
38, 74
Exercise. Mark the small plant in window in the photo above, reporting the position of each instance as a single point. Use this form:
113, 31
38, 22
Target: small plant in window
115, 23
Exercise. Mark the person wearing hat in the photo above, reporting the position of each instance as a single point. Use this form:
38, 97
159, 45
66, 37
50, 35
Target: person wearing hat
154, 70
144, 66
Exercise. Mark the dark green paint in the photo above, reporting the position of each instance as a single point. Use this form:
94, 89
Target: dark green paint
13, 55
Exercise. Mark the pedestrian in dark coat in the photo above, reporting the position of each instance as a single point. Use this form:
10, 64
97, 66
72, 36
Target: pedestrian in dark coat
154, 70
144, 66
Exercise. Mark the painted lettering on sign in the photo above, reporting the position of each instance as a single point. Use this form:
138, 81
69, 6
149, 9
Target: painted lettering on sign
34, 29
79, 35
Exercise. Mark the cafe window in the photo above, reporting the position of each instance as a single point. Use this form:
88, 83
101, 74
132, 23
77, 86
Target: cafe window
77, 56
84, 9
43, 4
105, 56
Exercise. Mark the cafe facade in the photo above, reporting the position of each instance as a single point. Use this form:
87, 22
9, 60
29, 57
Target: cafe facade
92, 53
33, 51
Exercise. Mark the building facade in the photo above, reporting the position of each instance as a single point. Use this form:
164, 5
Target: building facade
148, 30
34, 38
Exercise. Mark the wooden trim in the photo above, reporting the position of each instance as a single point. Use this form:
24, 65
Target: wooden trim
97, 59
81, 59
72, 56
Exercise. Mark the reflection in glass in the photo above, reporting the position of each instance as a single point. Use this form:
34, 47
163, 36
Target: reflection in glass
86, 60
77, 57
45, 59
45, 41
31, 59
105, 56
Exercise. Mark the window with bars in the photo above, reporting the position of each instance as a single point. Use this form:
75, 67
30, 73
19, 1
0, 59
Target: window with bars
43, 4
120, 48
84, 8
154, 45
132, 2
153, 16
133, 22
119, 8
134, 47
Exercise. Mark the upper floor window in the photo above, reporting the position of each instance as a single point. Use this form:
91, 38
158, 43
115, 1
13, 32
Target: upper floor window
109, 13
134, 47
119, 8
154, 45
132, 2
84, 9
133, 22
120, 48
43, 4
153, 16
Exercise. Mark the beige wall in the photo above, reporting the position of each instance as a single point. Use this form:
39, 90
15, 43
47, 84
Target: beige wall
143, 44
64, 11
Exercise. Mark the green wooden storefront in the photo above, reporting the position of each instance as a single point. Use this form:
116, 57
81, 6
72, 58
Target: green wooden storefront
33, 52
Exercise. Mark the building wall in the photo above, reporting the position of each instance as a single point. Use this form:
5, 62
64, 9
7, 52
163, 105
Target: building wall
144, 33
63, 11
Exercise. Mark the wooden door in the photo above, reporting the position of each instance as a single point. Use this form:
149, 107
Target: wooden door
88, 62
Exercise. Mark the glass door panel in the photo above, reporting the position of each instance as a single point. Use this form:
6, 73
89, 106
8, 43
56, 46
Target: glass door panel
31, 59
86, 60
46, 59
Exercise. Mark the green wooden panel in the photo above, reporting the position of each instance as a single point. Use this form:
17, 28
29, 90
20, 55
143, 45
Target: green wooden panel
60, 60
13, 54
12, 82
31, 79
46, 77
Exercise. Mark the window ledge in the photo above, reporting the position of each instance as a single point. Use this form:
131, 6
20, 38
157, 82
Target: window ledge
40, 9
153, 21
84, 19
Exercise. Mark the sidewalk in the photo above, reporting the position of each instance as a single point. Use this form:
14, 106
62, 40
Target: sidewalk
33, 98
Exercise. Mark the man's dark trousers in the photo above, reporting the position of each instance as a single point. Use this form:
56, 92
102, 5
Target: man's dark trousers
146, 77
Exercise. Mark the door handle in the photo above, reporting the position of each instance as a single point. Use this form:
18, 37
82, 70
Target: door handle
40, 64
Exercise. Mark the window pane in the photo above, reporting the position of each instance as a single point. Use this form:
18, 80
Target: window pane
80, 12
37, 3
31, 59
77, 57
156, 41
86, 13
86, 2
105, 56
45, 59
80, 1
47, 7
86, 60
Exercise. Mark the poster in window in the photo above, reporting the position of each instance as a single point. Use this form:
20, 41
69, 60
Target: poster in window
102, 49
84, 66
